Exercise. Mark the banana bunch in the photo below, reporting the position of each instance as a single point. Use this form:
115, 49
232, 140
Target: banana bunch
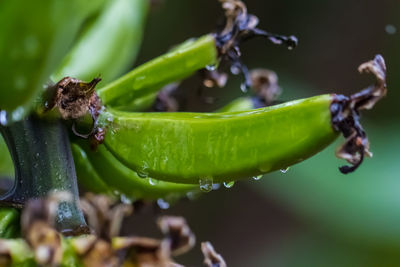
166, 155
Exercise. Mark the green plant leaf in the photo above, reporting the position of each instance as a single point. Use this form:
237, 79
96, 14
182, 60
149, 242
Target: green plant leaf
34, 37
108, 45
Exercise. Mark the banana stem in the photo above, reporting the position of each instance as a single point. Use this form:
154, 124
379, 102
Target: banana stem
43, 164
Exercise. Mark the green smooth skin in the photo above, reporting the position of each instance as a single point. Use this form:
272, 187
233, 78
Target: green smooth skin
146, 100
116, 175
239, 104
109, 45
141, 103
34, 37
173, 66
9, 222
188, 147
87, 175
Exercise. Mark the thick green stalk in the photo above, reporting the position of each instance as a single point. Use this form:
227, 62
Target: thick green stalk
43, 164
6, 166
173, 66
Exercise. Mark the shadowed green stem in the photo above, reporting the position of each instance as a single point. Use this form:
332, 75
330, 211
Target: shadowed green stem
43, 164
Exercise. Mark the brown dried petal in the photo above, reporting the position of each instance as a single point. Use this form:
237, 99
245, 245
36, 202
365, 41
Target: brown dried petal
239, 27
214, 78
143, 251
211, 257
73, 97
345, 115
165, 100
178, 234
367, 98
100, 255
5, 253
265, 84
104, 216
46, 243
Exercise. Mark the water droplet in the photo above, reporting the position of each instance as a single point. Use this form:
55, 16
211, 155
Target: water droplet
243, 87
153, 181
162, 204
142, 174
18, 114
257, 178
126, 200
216, 186
235, 70
143, 171
3, 117
390, 29
229, 184
206, 184
285, 170
211, 67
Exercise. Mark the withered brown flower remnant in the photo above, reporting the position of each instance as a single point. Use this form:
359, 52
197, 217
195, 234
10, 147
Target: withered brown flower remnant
212, 78
239, 27
37, 224
165, 100
75, 98
152, 252
346, 115
179, 237
211, 257
265, 84
104, 247
104, 215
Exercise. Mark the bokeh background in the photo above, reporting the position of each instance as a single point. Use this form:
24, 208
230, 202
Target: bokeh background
312, 215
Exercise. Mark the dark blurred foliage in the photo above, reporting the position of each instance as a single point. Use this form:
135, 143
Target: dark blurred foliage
313, 215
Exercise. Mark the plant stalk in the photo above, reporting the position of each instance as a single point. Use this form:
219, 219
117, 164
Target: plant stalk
44, 164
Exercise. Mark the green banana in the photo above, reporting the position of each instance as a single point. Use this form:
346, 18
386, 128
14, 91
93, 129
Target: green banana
9, 222
153, 75
34, 38
239, 104
108, 45
189, 147
87, 175
116, 175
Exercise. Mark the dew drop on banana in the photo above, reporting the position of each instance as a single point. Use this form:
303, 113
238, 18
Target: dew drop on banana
257, 178
206, 184
229, 184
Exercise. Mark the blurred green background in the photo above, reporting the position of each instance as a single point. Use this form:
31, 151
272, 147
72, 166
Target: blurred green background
312, 215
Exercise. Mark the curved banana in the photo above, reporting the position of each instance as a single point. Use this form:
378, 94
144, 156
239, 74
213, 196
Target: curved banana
127, 182
190, 147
